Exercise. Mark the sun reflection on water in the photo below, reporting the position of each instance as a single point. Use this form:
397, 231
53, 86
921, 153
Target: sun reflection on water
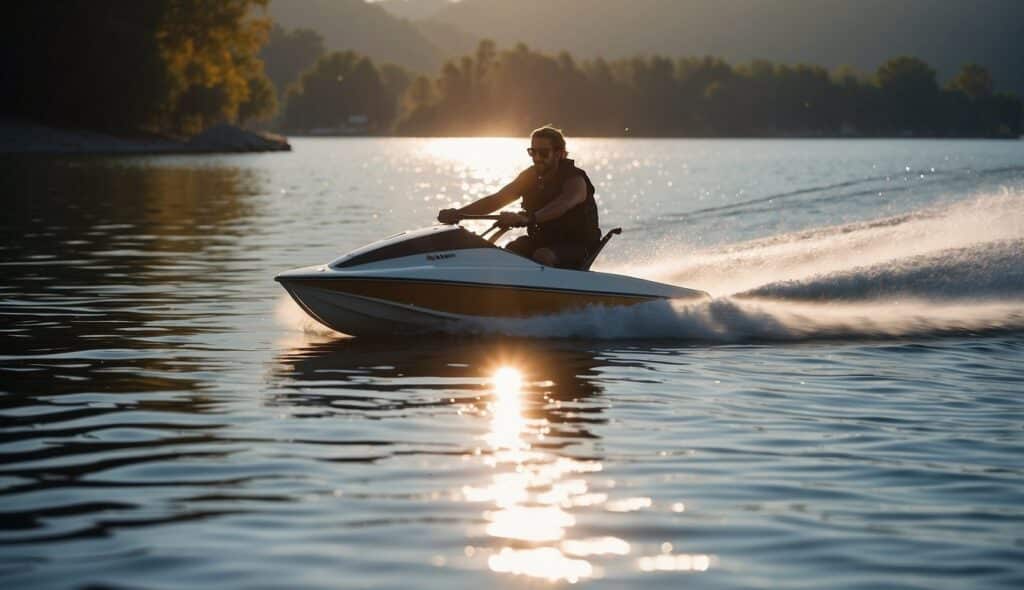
543, 562
675, 563
482, 155
507, 422
533, 495
531, 492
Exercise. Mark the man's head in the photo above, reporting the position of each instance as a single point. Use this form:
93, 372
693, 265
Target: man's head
547, 148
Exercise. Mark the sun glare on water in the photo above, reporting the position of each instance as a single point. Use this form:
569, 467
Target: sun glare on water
528, 491
507, 382
479, 153
533, 494
506, 415
483, 164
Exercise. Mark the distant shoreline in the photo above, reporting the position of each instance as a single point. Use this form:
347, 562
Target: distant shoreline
21, 137
632, 136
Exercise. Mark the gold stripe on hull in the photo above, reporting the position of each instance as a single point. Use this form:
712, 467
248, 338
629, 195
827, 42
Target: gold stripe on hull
474, 300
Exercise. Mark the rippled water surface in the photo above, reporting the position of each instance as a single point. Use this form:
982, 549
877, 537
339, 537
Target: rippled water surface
847, 412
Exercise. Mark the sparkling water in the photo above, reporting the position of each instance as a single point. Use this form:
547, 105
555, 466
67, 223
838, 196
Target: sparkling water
846, 412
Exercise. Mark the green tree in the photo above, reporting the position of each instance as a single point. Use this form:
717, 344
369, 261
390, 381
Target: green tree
603, 106
911, 94
395, 81
486, 52
907, 76
419, 108
261, 102
210, 48
341, 85
512, 91
653, 86
288, 53
973, 80
421, 94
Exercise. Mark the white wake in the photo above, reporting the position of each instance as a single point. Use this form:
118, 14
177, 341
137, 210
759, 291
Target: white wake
942, 270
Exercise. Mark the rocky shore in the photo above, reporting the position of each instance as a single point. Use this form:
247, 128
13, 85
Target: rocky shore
25, 137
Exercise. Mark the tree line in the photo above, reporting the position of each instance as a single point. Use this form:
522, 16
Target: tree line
509, 92
179, 66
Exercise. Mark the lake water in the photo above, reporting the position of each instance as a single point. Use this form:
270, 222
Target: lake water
848, 412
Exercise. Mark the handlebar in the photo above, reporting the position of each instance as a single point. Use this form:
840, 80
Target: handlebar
491, 217
457, 217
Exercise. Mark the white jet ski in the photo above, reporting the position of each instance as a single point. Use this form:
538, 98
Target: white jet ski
448, 279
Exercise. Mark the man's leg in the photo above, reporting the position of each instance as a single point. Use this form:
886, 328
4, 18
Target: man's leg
523, 246
557, 255
546, 256
565, 255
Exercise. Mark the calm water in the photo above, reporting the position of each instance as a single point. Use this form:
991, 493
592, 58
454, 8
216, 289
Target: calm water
847, 413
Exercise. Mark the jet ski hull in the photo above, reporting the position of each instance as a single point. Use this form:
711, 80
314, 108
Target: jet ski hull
433, 280
364, 316
361, 306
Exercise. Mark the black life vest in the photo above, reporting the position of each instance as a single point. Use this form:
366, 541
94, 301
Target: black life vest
579, 224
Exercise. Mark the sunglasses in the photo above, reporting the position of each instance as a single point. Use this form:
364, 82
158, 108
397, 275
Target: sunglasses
543, 153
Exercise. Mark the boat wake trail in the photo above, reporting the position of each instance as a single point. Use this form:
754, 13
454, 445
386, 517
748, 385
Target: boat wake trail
952, 269
735, 320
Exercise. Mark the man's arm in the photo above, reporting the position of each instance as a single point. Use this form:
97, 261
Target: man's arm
573, 193
491, 203
508, 193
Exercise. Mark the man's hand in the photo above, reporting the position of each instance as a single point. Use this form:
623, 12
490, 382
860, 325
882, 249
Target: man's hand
449, 216
508, 219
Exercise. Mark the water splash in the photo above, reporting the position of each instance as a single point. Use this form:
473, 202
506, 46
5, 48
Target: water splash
949, 269
974, 227
289, 315
984, 271
733, 320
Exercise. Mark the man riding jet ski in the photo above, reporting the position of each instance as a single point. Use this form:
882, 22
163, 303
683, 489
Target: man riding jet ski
559, 210
448, 279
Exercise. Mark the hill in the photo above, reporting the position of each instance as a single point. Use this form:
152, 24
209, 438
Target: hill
861, 33
361, 27
413, 10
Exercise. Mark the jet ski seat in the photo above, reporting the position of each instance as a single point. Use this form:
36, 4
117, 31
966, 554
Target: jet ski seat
600, 246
